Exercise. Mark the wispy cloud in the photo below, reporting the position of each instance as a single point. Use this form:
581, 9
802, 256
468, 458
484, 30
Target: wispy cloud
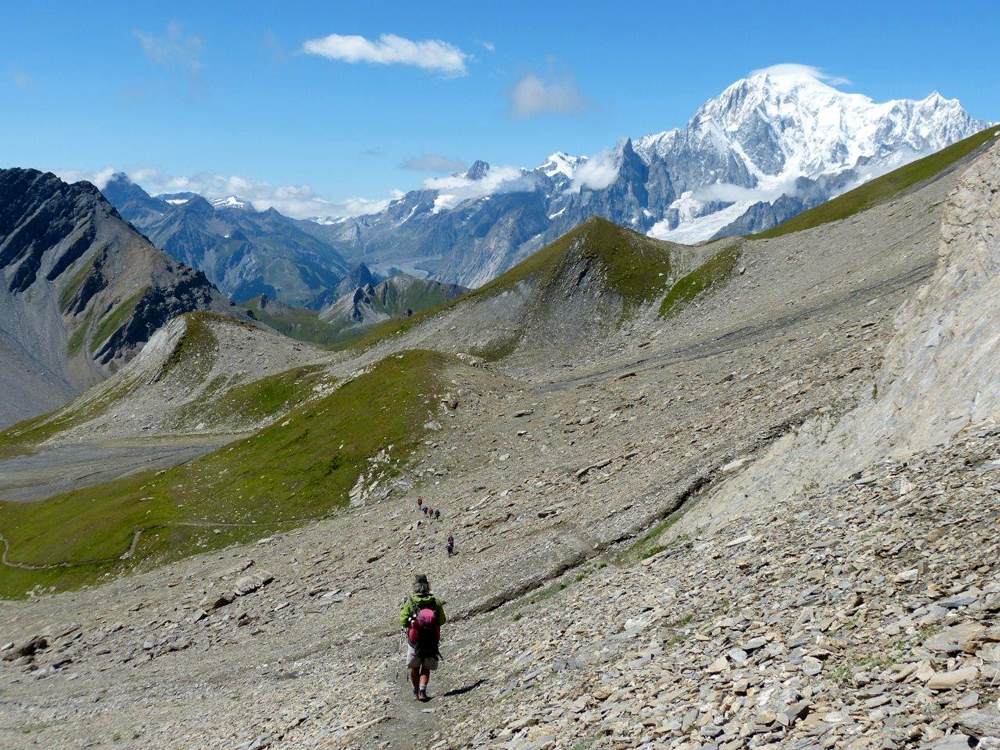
389, 49
798, 70
273, 45
489, 46
21, 78
432, 163
297, 201
374, 151
555, 93
179, 56
172, 49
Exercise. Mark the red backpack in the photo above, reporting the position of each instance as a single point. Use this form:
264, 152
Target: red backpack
425, 631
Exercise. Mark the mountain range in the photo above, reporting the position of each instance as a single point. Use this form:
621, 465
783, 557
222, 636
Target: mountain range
362, 301
244, 252
768, 147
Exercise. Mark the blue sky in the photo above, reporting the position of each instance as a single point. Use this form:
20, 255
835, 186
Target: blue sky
229, 91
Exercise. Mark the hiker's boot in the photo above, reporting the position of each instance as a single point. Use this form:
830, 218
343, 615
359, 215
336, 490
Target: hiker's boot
416, 694
422, 696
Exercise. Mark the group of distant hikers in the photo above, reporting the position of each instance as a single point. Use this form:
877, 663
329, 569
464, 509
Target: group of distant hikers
421, 619
435, 515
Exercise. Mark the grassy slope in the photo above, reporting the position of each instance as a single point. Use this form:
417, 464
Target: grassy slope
419, 295
222, 403
114, 320
291, 472
298, 323
634, 266
882, 188
712, 272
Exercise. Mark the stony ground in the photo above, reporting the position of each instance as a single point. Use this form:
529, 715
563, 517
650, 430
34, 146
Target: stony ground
825, 621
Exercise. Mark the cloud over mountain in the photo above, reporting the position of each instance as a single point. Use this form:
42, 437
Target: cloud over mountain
297, 201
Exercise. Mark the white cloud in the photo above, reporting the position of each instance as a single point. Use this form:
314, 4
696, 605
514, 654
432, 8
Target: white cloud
729, 193
455, 189
99, 178
801, 71
297, 201
389, 49
598, 171
173, 49
553, 95
489, 46
432, 163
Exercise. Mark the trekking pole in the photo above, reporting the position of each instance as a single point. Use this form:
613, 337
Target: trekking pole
402, 656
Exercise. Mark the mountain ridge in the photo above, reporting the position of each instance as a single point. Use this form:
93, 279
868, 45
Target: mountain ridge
83, 291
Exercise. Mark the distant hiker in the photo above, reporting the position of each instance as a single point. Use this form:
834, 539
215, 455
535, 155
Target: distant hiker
437, 514
422, 617
420, 502
450, 545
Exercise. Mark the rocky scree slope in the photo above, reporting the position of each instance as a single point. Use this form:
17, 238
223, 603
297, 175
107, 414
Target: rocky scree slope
81, 292
201, 373
937, 378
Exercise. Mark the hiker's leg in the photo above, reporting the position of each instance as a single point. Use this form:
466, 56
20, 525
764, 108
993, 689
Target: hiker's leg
415, 677
425, 676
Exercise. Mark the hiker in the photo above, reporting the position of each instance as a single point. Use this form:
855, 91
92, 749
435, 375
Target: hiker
450, 545
437, 514
420, 502
421, 618
425, 509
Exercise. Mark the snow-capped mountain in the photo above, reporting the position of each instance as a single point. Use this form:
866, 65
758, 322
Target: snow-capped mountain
232, 202
771, 145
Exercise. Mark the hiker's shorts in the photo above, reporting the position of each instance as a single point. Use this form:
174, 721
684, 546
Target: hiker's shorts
420, 662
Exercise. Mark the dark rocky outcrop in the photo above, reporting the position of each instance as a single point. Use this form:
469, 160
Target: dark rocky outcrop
81, 290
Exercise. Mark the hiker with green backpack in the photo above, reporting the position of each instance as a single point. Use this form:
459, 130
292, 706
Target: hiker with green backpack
421, 619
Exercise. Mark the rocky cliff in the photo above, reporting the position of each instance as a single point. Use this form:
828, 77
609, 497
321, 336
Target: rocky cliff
81, 290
